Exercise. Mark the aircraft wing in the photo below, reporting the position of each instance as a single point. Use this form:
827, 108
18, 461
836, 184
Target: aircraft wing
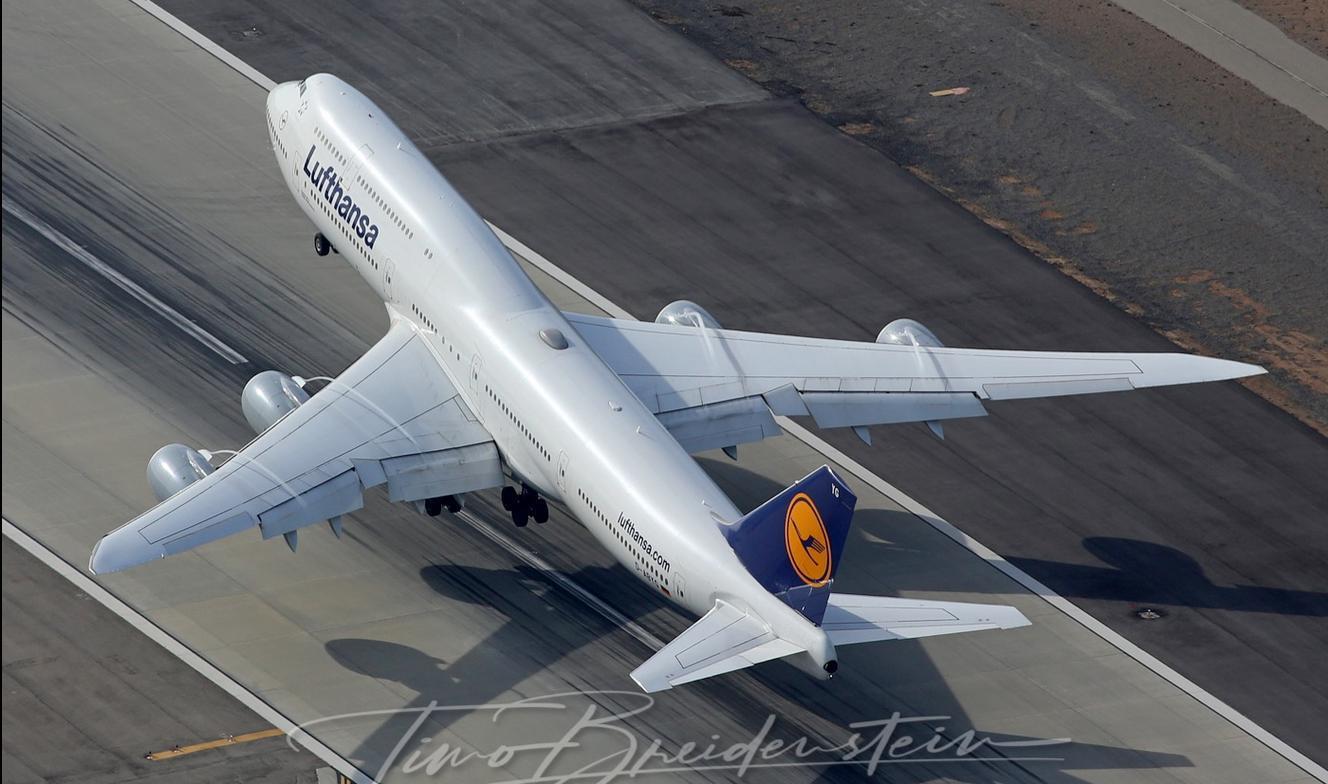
717, 387
393, 417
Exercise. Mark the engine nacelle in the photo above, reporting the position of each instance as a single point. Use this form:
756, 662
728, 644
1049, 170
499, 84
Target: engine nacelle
907, 332
269, 396
684, 313
174, 467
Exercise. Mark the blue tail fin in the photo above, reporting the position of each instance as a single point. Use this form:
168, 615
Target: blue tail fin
792, 543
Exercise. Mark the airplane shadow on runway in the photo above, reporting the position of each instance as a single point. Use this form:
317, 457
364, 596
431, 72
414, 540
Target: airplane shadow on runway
875, 681
494, 666
1154, 574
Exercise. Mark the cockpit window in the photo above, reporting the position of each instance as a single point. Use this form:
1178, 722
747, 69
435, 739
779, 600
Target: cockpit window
302, 86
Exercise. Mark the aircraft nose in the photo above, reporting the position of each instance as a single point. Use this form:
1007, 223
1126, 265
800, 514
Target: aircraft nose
281, 98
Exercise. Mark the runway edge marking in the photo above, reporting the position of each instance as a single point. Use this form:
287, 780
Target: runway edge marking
1214, 704
181, 651
1214, 28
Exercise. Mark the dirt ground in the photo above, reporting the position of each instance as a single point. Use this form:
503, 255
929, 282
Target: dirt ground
1137, 166
1303, 21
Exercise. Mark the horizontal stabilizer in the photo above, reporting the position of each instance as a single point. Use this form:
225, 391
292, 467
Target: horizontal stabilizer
852, 619
726, 639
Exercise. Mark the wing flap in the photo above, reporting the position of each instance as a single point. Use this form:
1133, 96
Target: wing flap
1081, 386
854, 409
448, 472
719, 425
337, 496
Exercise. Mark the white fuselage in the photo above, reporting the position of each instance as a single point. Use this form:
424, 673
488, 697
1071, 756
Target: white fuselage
564, 422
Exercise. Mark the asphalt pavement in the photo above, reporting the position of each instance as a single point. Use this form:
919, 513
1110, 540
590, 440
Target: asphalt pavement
87, 697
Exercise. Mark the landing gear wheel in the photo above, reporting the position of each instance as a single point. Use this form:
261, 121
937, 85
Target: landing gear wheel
520, 516
509, 498
452, 504
321, 245
541, 513
433, 506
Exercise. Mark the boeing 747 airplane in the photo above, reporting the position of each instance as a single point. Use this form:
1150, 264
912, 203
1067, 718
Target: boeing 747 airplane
480, 382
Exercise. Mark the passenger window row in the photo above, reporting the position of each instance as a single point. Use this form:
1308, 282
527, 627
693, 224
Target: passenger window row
525, 431
387, 208
341, 227
276, 138
646, 566
423, 318
318, 132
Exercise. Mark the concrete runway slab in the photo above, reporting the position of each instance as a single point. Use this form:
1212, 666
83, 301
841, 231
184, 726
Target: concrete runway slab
62, 648
463, 619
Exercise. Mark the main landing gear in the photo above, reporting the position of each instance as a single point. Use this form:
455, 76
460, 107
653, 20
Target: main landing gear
524, 505
435, 506
321, 245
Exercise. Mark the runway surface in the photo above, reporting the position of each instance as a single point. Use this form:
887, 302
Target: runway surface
1206, 501
150, 155
86, 697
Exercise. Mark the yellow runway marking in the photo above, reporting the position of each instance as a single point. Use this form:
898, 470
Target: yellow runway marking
229, 740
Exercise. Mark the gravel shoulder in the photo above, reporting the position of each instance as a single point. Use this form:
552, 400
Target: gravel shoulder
1303, 21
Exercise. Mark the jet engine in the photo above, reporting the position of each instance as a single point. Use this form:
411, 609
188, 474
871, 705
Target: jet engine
174, 467
907, 332
684, 313
268, 397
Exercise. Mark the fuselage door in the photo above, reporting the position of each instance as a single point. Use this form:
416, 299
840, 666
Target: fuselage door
562, 471
357, 162
475, 364
389, 271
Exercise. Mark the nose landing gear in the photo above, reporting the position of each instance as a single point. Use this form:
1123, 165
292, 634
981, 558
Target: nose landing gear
321, 244
524, 505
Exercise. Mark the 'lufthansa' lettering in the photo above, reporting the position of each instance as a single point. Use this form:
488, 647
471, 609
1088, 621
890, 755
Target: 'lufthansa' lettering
327, 183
